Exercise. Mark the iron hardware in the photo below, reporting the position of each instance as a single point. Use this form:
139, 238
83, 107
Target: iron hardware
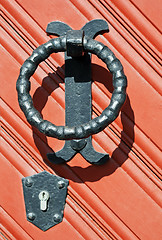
45, 198
78, 46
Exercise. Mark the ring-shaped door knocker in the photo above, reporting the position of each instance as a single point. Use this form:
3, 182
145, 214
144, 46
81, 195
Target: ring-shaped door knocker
95, 125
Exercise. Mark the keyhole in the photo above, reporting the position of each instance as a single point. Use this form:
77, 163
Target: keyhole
43, 197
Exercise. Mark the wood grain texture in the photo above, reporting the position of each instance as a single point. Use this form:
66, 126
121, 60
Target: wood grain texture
122, 199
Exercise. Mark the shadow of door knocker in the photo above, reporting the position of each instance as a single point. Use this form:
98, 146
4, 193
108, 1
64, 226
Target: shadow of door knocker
44, 193
78, 46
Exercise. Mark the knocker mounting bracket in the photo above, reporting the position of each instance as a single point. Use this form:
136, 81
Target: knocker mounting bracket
78, 46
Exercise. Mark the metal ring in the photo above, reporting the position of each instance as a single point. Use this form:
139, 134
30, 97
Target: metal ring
85, 130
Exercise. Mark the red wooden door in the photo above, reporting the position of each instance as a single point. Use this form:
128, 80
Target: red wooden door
121, 199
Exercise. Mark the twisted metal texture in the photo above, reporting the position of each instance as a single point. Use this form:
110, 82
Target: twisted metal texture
85, 130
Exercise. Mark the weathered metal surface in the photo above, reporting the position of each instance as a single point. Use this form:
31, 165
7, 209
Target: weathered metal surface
78, 106
54, 189
74, 44
78, 80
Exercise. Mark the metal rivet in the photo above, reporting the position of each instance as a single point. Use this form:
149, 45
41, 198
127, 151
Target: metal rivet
61, 184
57, 217
31, 216
28, 182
